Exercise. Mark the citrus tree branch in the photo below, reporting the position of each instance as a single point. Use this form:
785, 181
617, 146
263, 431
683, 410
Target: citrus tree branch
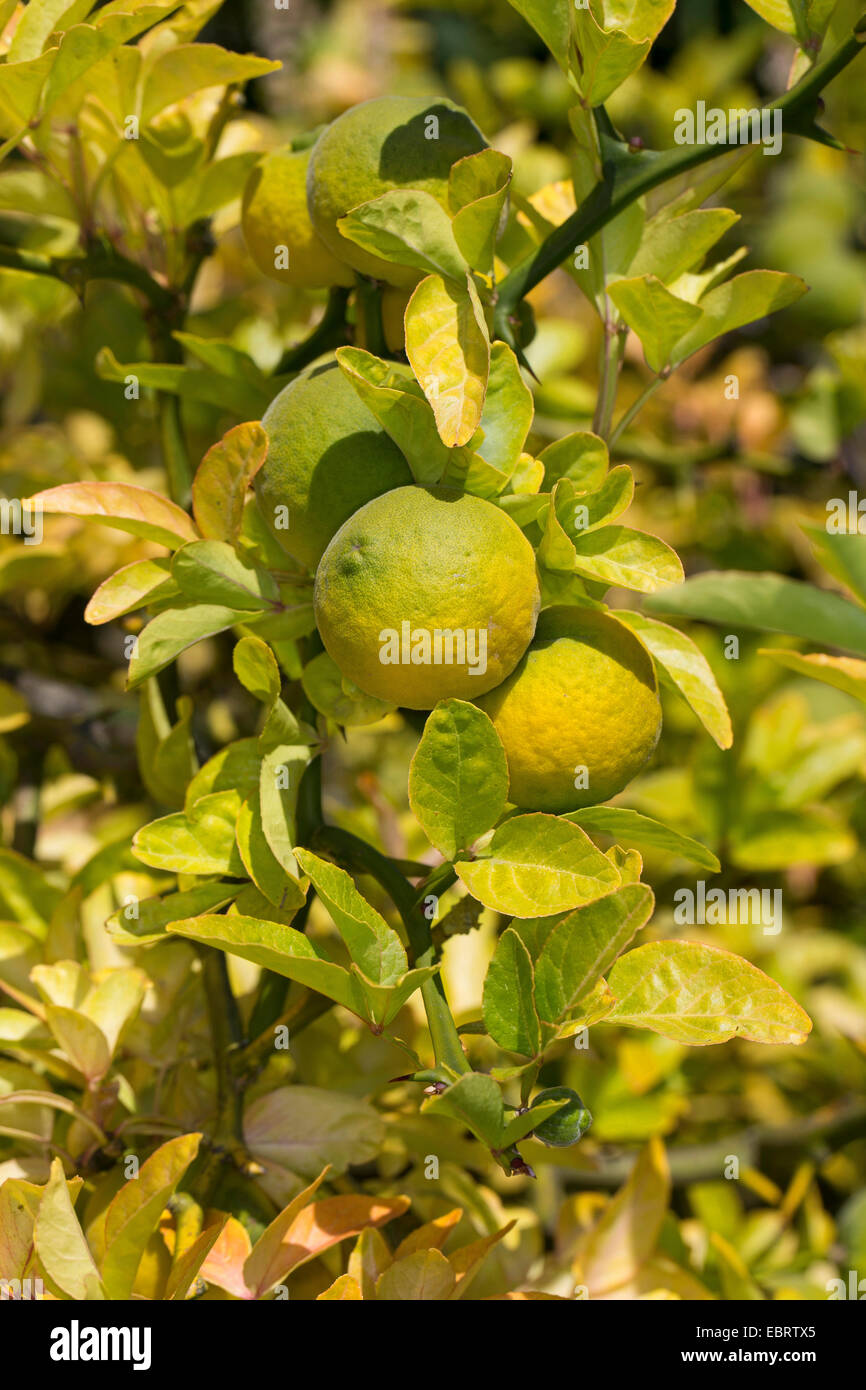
650, 169
101, 262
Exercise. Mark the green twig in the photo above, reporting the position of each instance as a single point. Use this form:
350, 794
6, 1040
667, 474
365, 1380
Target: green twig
226, 1030
636, 406
304, 1010
436, 883
101, 262
651, 168
613, 348
330, 332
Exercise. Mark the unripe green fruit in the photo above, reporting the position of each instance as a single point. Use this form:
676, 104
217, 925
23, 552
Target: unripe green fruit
570, 1122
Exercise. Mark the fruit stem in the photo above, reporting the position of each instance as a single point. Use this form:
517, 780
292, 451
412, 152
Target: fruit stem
447, 1046
368, 297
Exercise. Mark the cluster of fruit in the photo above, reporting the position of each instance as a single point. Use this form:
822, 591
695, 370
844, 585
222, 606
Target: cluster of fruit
572, 694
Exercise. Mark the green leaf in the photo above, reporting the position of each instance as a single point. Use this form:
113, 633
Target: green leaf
509, 1008
211, 572
384, 1002
573, 514
143, 923
170, 633
185, 1268
19, 1203
600, 59
508, 409
33, 191
391, 393
633, 828
477, 176
81, 1040
449, 350
658, 317
843, 672
676, 242
234, 394
303, 1129
222, 479
477, 194
113, 1001
687, 669
332, 695
743, 300
813, 835
408, 227
580, 949
135, 1211
180, 71
135, 586
458, 778
81, 48
805, 20
580, 457
538, 864
475, 1101
202, 842
279, 948
374, 946
165, 752
629, 559
25, 893
844, 555
235, 768
281, 889
422, 1276
550, 20
769, 603
66, 1261
256, 668
282, 769
702, 994
520, 1125
38, 22
124, 506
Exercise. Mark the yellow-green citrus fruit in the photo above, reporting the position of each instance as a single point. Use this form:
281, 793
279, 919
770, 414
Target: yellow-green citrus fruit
388, 142
327, 456
581, 714
426, 594
277, 224
570, 1122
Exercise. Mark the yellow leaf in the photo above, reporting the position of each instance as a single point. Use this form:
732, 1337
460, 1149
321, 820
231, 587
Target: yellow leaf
449, 349
423, 1277
625, 1237
343, 1290
432, 1235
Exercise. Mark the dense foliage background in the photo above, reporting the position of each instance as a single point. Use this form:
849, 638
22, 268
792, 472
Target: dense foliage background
729, 483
